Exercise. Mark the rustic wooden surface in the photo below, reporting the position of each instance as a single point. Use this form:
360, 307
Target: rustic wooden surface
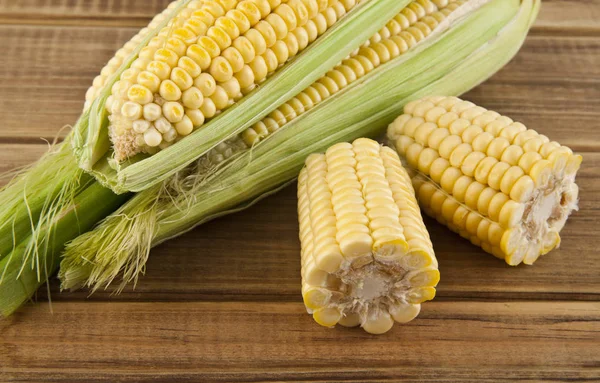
222, 303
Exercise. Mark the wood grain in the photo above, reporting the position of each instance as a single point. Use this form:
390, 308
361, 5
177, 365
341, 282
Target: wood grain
131, 13
50, 69
222, 303
238, 341
569, 17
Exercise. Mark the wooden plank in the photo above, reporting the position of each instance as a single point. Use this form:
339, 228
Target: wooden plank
45, 74
348, 375
532, 88
236, 341
576, 15
552, 86
130, 13
254, 256
222, 303
571, 16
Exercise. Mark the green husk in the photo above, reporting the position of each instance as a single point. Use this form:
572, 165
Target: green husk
449, 64
36, 194
143, 172
38, 215
21, 280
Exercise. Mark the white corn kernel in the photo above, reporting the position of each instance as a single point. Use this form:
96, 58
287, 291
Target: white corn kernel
131, 110
152, 137
140, 126
162, 125
152, 112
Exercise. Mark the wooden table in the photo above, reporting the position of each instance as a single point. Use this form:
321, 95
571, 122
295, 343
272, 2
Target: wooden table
222, 303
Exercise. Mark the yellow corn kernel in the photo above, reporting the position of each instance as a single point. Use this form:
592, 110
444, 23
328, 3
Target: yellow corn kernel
192, 98
139, 94
196, 116
181, 78
221, 69
169, 91
199, 55
173, 111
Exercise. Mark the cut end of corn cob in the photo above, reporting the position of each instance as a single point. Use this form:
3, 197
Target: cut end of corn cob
504, 187
366, 256
205, 59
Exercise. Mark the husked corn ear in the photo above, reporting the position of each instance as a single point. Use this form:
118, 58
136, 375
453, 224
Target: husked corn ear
411, 26
366, 256
203, 61
504, 187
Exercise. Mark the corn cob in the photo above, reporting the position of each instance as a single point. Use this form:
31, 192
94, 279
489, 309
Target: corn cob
366, 255
498, 184
121, 55
470, 46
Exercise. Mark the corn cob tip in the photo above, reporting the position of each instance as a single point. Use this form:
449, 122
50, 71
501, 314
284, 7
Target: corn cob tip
504, 187
366, 256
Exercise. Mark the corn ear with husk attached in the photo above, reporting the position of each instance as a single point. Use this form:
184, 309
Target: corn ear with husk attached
465, 51
139, 172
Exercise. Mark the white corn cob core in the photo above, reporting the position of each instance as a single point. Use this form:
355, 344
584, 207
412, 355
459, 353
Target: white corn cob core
366, 256
504, 187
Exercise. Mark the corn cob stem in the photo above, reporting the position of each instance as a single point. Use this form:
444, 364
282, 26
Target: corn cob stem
40, 191
35, 201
